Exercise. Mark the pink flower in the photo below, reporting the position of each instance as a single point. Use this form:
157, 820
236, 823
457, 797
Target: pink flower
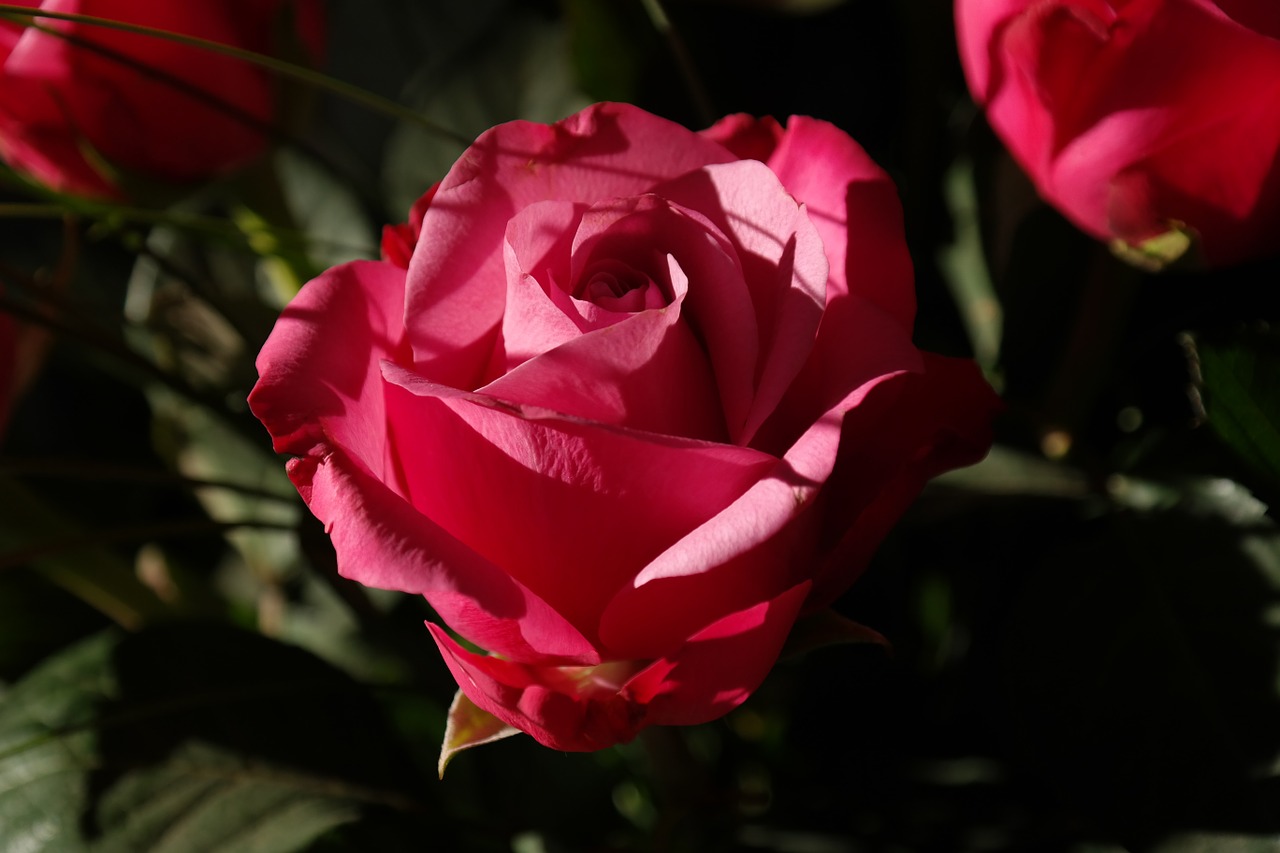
1136, 116
78, 106
634, 406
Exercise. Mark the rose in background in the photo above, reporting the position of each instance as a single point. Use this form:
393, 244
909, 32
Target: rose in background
1137, 116
79, 106
623, 401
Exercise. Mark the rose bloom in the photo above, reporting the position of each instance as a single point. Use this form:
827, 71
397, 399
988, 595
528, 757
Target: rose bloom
76, 107
623, 402
1137, 116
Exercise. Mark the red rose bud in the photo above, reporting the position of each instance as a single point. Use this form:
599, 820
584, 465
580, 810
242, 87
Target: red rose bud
633, 406
79, 105
1138, 117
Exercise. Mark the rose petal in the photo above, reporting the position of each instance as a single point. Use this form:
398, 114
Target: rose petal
646, 372
456, 290
975, 21
383, 542
719, 297
539, 315
578, 709
857, 342
561, 709
399, 241
745, 553
321, 403
752, 540
573, 493
854, 206
748, 137
142, 121
783, 264
321, 381
718, 667
905, 432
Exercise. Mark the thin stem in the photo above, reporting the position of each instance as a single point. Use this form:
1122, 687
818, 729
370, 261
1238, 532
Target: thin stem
355, 94
697, 91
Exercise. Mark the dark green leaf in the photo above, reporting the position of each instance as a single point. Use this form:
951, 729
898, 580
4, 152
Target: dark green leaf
182, 739
1141, 666
516, 69
1241, 390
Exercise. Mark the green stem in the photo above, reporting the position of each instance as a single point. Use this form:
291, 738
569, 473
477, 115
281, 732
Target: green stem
697, 91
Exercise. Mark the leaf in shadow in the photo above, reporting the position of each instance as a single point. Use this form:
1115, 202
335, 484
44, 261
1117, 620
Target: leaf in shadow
1141, 672
188, 737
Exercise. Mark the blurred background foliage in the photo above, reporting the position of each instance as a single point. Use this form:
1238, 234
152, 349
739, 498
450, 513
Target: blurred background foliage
1083, 627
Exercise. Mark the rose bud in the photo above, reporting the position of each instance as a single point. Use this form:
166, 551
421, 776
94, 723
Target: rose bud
623, 403
85, 107
1138, 117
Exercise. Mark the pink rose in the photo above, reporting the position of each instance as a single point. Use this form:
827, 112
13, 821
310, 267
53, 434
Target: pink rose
141, 104
1135, 116
634, 406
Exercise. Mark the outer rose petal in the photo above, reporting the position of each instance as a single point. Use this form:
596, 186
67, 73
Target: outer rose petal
755, 540
855, 208
321, 403
456, 290
757, 546
721, 665
321, 381
385, 543
581, 710
748, 137
851, 201
573, 493
908, 430
399, 241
